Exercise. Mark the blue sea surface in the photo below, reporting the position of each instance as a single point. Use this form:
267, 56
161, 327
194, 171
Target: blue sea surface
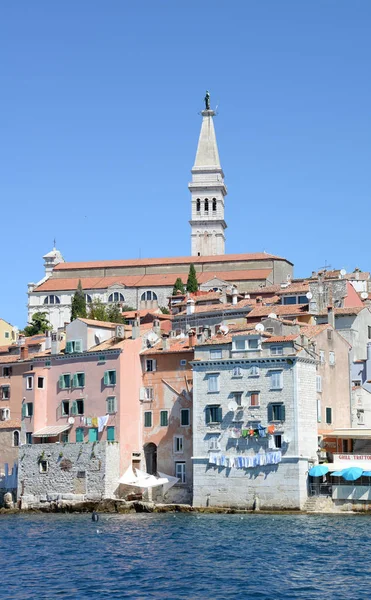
140, 556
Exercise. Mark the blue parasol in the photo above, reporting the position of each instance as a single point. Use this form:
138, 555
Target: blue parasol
318, 470
352, 473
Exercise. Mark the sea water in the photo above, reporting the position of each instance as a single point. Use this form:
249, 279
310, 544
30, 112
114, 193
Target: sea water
171, 556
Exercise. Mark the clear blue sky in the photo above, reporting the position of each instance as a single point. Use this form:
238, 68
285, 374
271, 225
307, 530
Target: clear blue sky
99, 125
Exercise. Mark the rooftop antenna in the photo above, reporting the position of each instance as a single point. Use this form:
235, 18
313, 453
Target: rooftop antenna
54, 244
325, 267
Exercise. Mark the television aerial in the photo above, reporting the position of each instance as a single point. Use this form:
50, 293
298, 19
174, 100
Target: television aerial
259, 327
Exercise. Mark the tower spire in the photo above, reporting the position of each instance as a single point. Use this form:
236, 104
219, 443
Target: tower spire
208, 191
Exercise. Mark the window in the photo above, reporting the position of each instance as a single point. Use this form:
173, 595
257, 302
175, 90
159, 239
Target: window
150, 365
253, 344
27, 409
184, 417
40, 383
65, 381
5, 414
43, 466
331, 358
289, 300
148, 295
322, 357
110, 434
215, 354
79, 380
302, 300
237, 397
206, 205
146, 394
276, 350
5, 392
180, 471
52, 299
116, 297
214, 204
15, 438
239, 344
148, 418
64, 437
88, 298
357, 383
7, 371
213, 443
319, 410
178, 444
213, 413
213, 383
328, 415
48, 363
276, 412
79, 434
276, 380
329, 334
236, 372
164, 418
93, 434
28, 438
29, 383
254, 398
254, 371
6, 334
360, 417
183, 363
73, 346
77, 407
318, 383
109, 377
198, 205
65, 408
369, 332
111, 404
277, 440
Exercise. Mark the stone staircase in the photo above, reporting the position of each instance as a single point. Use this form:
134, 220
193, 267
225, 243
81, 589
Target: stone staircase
319, 504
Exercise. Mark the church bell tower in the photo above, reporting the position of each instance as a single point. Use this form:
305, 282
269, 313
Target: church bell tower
208, 191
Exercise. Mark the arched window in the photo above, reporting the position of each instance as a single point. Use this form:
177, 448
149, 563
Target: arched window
198, 205
214, 204
148, 295
206, 205
52, 299
15, 438
88, 298
116, 297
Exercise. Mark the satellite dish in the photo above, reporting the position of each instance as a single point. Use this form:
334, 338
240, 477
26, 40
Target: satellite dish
224, 329
364, 295
232, 405
272, 316
309, 295
259, 327
71, 420
98, 337
343, 272
152, 337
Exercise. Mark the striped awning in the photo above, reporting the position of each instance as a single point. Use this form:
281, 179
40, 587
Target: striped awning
51, 431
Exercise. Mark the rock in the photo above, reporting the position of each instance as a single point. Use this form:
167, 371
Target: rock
8, 500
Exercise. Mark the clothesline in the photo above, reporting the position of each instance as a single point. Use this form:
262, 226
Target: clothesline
244, 462
97, 422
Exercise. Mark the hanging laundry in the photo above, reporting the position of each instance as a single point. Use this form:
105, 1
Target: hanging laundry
94, 422
102, 422
261, 430
244, 433
271, 429
88, 421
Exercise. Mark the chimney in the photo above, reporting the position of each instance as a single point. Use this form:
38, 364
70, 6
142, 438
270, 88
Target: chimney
303, 340
165, 342
24, 352
48, 340
206, 333
156, 326
247, 296
192, 338
135, 331
234, 296
55, 342
259, 300
190, 306
21, 340
331, 316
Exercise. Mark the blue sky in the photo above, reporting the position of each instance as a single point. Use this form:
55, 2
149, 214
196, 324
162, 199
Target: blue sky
99, 125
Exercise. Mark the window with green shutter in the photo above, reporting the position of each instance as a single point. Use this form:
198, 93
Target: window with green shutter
24, 408
110, 377
64, 381
93, 434
213, 413
184, 417
68, 349
73, 346
110, 434
74, 408
111, 404
164, 418
79, 434
78, 380
148, 419
276, 412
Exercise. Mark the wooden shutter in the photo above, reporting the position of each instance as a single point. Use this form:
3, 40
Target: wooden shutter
154, 363
61, 382
270, 412
30, 409
282, 412
113, 377
219, 413
207, 414
75, 381
79, 434
106, 378
82, 378
78, 346
73, 410
68, 347
110, 434
24, 409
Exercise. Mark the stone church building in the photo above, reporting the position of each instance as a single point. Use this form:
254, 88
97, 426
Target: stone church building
147, 283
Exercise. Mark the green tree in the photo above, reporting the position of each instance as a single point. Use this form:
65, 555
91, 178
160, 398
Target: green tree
178, 286
39, 324
97, 311
164, 310
192, 285
114, 314
78, 305
127, 308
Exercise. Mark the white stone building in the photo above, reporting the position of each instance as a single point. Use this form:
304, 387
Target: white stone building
247, 382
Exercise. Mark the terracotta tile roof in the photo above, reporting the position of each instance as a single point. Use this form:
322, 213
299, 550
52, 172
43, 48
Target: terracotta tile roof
351, 310
177, 345
178, 260
11, 424
4, 349
146, 281
313, 330
279, 309
104, 324
11, 358
362, 276
218, 308
295, 287
282, 338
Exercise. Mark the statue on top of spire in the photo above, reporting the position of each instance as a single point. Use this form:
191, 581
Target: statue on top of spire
207, 100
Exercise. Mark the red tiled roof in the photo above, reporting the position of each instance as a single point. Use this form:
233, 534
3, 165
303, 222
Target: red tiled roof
11, 424
10, 358
313, 330
177, 345
219, 307
97, 323
279, 309
282, 338
351, 310
178, 260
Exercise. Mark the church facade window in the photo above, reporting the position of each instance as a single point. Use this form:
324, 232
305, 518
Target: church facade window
198, 205
206, 205
52, 299
214, 204
116, 297
148, 296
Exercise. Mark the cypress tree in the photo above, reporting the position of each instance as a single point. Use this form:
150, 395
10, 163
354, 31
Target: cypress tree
192, 285
78, 305
178, 286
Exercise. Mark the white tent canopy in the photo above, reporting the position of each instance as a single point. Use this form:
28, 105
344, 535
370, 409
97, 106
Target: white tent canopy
142, 479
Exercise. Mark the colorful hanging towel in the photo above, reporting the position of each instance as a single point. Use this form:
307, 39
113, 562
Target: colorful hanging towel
94, 422
88, 421
102, 422
261, 430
